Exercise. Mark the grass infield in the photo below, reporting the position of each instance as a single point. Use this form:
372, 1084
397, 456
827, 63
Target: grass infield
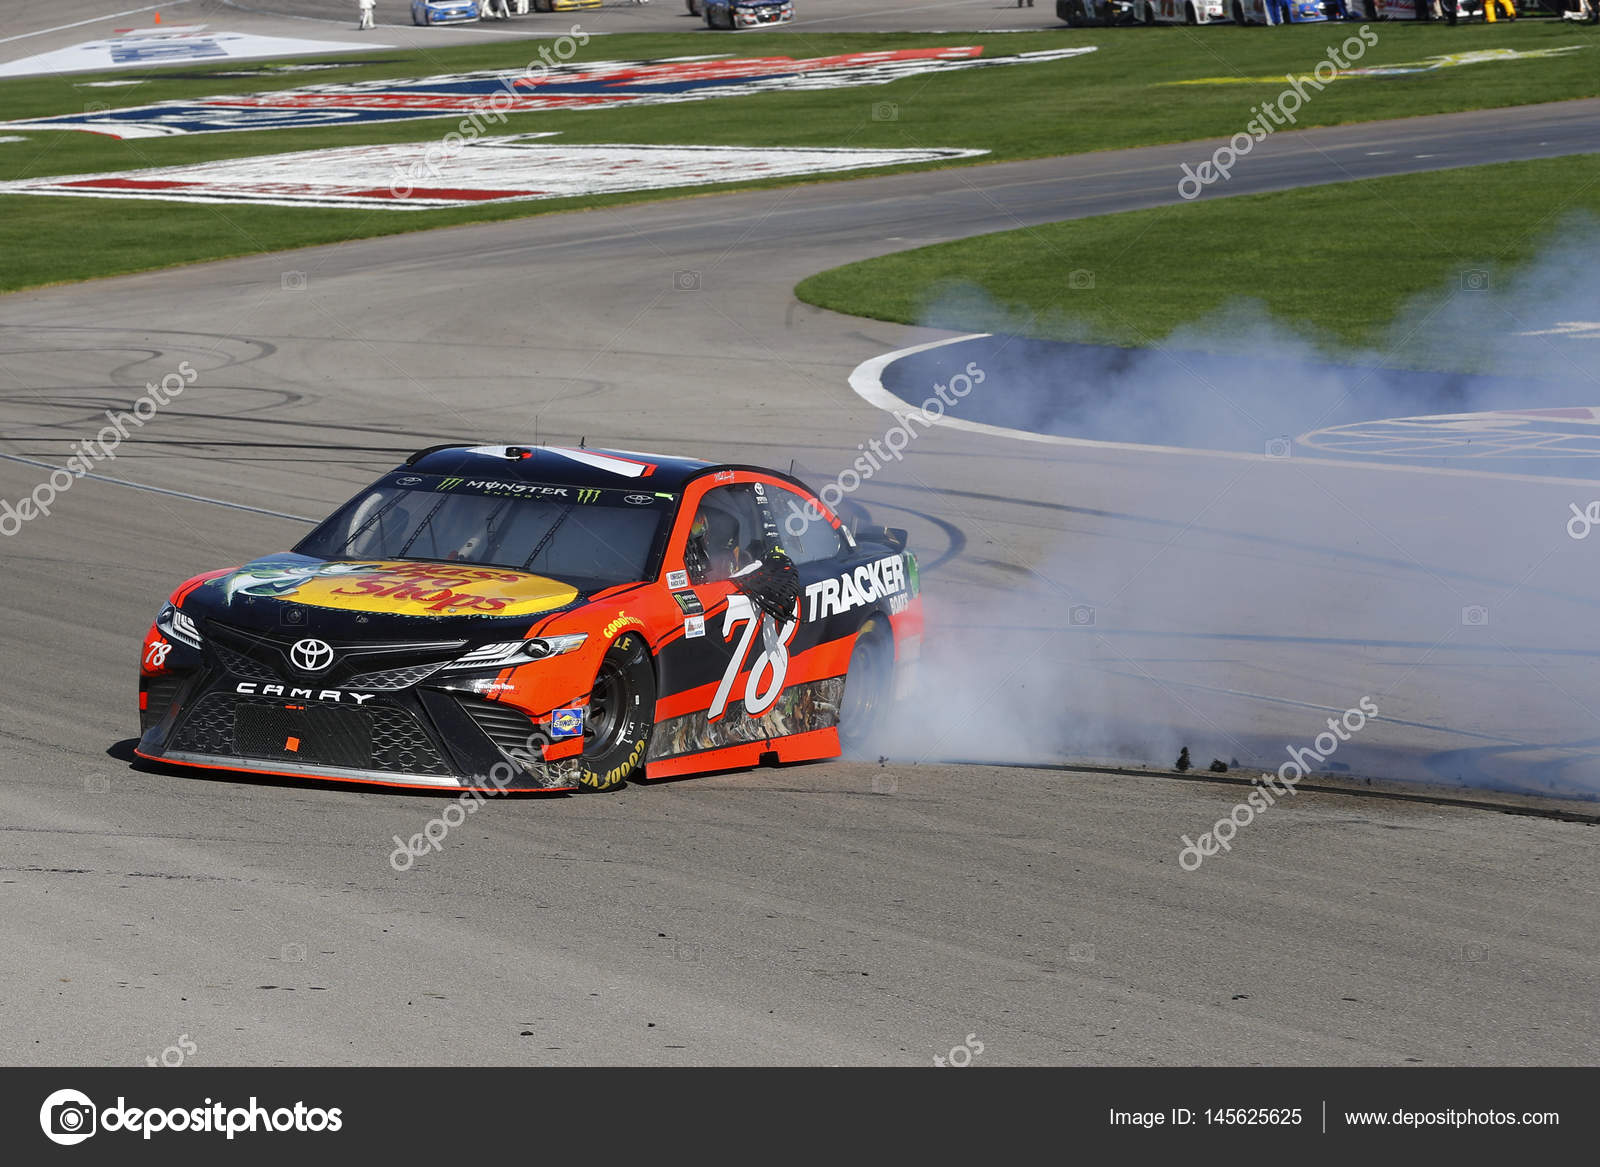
1121, 95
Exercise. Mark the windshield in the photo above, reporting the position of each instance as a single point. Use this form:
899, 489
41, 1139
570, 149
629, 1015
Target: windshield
586, 537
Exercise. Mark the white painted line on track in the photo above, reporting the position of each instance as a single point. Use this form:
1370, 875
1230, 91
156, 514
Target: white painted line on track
867, 381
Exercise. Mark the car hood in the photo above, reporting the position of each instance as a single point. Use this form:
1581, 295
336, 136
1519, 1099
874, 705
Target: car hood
376, 597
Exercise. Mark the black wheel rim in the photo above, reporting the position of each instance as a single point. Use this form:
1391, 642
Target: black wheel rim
608, 715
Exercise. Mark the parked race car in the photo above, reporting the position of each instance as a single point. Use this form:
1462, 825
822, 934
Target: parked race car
1181, 11
564, 618
1089, 13
443, 11
1259, 12
747, 13
564, 5
1446, 10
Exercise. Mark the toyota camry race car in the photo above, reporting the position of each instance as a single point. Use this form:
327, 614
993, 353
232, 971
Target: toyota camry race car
747, 13
443, 11
514, 617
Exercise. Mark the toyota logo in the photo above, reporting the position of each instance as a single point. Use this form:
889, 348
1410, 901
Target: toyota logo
310, 655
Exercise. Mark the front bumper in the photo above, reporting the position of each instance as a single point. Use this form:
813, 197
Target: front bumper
420, 738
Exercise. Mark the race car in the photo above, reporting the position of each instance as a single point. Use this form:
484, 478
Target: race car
747, 13
539, 618
1105, 13
564, 5
443, 11
1181, 11
1446, 10
1259, 12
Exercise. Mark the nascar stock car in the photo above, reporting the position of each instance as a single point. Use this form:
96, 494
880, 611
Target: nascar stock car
562, 618
1085, 13
443, 11
732, 14
1272, 11
1181, 11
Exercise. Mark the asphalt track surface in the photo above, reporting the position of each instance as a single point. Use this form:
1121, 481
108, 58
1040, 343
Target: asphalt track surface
867, 912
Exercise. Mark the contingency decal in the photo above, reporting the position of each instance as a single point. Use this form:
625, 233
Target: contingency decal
183, 44
407, 588
487, 171
496, 95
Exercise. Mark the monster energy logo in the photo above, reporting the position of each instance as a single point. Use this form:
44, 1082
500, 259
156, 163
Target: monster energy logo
449, 483
588, 495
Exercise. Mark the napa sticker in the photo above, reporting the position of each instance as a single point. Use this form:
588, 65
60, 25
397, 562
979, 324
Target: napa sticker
566, 722
402, 588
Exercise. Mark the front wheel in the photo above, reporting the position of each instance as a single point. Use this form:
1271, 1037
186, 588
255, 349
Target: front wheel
868, 686
622, 711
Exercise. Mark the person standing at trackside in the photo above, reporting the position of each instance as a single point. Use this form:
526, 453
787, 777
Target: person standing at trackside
1019, 3
1583, 11
1335, 10
1490, 5
497, 10
366, 13
1277, 11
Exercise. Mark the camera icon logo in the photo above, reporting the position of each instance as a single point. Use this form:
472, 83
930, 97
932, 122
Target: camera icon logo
685, 281
67, 1117
1475, 616
294, 281
1080, 616
1279, 447
1080, 280
885, 111
1474, 280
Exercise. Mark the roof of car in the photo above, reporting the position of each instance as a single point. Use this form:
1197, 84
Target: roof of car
574, 465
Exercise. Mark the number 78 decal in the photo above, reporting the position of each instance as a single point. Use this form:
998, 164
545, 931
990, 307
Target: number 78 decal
774, 658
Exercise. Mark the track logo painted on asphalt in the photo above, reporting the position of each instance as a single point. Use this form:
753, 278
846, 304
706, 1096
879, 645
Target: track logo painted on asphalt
1404, 68
405, 176
171, 45
1523, 434
572, 85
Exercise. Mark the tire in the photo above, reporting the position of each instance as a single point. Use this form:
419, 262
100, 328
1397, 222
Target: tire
622, 712
1149, 15
1189, 16
1067, 12
1238, 13
868, 686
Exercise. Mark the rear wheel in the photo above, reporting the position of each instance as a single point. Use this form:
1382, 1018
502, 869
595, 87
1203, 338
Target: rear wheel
622, 711
868, 684
1189, 16
1149, 14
